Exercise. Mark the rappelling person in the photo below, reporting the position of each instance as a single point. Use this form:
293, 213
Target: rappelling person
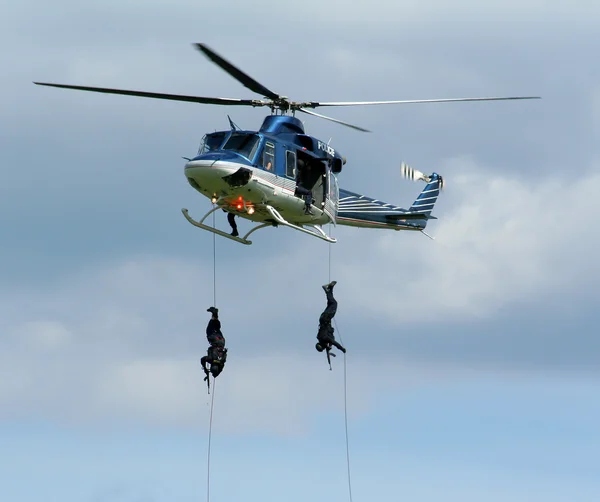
214, 361
302, 177
213, 329
216, 354
232, 223
325, 337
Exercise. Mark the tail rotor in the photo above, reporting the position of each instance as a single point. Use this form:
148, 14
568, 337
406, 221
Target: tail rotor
412, 174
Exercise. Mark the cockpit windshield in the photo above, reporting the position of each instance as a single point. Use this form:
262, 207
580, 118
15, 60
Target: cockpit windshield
211, 142
243, 143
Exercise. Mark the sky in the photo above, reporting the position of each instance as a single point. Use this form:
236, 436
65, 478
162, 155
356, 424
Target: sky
472, 370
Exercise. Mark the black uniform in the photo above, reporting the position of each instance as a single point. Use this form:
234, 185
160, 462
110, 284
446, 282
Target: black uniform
215, 357
213, 329
302, 177
232, 223
325, 335
217, 353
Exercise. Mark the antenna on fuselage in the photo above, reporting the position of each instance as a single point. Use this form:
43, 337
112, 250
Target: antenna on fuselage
232, 124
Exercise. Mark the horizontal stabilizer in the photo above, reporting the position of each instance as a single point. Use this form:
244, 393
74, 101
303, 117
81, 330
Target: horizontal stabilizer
410, 216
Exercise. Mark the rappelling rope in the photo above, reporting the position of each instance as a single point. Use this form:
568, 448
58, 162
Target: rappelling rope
345, 390
212, 402
214, 263
212, 399
330, 254
345, 414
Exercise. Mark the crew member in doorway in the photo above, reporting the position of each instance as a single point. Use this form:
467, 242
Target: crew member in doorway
301, 190
325, 338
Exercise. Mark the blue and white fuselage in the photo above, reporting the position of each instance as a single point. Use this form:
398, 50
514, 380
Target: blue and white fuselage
256, 189
279, 175
254, 175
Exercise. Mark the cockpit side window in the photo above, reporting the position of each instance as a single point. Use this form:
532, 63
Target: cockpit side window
243, 143
269, 157
290, 167
211, 142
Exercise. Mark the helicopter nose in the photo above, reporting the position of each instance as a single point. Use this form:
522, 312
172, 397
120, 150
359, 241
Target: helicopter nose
209, 173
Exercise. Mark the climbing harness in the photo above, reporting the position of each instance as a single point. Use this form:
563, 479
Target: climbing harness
345, 389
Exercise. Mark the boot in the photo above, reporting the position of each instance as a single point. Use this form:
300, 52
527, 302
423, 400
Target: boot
328, 287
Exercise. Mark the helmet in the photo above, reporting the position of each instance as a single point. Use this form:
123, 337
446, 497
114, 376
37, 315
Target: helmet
216, 368
319, 347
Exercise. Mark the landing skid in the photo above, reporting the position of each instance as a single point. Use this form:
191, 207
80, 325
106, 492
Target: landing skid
279, 220
318, 232
199, 224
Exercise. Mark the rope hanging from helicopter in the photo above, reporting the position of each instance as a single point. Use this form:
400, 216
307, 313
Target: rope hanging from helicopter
345, 390
212, 400
214, 264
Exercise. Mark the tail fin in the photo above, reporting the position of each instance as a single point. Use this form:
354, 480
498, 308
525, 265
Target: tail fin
427, 198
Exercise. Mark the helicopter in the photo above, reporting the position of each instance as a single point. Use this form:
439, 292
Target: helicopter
279, 175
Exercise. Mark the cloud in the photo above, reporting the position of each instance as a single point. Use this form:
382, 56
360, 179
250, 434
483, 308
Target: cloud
42, 335
275, 392
122, 345
123, 342
501, 241
105, 314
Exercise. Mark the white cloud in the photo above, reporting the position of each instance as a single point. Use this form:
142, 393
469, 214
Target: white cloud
596, 109
274, 393
149, 391
382, 11
123, 342
126, 347
42, 335
501, 240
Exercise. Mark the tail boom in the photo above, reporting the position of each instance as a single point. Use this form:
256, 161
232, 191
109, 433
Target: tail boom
357, 210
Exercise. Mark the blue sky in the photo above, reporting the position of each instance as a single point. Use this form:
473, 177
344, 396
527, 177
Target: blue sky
522, 439
472, 359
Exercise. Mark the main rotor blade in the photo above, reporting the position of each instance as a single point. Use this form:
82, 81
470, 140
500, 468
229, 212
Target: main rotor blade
158, 95
238, 74
314, 104
333, 120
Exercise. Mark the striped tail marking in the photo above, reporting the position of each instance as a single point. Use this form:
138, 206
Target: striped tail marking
427, 198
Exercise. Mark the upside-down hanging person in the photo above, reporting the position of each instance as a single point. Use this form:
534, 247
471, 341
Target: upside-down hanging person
214, 360
325, 338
